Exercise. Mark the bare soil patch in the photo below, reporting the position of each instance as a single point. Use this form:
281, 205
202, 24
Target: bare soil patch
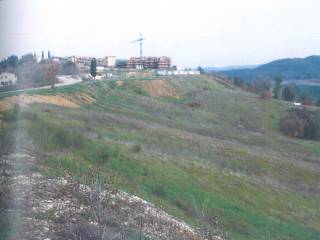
120, 83
72, 101
160, 88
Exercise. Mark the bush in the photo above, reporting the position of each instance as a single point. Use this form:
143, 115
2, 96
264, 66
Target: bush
159, 190
301, 123
265, 94
136, 148
112, 84
260, 86
194, 104
238, 82
292, 126
304, 99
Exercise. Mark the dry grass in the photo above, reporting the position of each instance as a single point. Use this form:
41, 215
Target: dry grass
72, 101
120, 83
160, 88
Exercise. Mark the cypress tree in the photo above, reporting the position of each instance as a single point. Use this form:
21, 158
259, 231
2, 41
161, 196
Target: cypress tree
93, 68
288, 94
277, 87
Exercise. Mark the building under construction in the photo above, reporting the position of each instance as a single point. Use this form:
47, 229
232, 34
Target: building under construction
149, 63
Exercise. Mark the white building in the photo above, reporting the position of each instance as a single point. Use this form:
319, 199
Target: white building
100, 70
182, 73
110, 61
7, 79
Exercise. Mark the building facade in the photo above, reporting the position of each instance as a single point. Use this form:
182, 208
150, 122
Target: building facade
7, 80
110, 61
149, 63
80, 60
177, 73
121, 63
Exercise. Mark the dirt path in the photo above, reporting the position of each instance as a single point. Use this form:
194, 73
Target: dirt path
63, 80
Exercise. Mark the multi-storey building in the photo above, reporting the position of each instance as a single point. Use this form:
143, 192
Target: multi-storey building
149, 63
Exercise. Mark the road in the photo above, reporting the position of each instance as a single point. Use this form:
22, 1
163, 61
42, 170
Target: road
64, 80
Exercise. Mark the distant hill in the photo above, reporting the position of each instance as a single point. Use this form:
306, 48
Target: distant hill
289, 69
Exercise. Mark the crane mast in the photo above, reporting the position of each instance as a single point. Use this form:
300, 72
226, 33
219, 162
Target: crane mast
140, 40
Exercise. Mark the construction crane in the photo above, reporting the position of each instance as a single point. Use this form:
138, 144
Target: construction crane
140, 40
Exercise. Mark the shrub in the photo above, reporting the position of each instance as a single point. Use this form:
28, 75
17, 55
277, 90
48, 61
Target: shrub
301, 123
260, 86
136, 148
266, 94
112, 84
159, 190
238, 81
194, 104
304, 99
291, 126
29, 116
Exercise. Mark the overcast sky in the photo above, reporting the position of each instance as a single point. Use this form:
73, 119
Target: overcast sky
202, 32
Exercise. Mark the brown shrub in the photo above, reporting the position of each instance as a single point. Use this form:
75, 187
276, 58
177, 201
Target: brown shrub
194, 104
301, 123
292, 126
266, 94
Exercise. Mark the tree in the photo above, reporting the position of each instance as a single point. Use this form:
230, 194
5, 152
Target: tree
288, 94
277, 87
13, 61
262, 87
3, 64
201, 70
27, 58
69, 68
238, 81
52, 73
93, 68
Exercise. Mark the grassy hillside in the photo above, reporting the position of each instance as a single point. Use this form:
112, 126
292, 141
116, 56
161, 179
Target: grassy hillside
206, 153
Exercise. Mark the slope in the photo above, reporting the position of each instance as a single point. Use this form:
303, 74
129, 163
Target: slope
207, 154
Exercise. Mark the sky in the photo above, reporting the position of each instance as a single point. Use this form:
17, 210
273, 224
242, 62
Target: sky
193, 33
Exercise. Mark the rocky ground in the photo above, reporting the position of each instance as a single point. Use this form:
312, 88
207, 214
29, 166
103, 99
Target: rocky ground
60, 208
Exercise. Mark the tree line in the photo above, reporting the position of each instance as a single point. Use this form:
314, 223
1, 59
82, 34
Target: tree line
275, 89
33, 73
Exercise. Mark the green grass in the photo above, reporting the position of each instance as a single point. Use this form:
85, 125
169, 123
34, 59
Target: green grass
224, 157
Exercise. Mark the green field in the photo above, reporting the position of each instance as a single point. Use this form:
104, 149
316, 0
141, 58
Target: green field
213, 152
